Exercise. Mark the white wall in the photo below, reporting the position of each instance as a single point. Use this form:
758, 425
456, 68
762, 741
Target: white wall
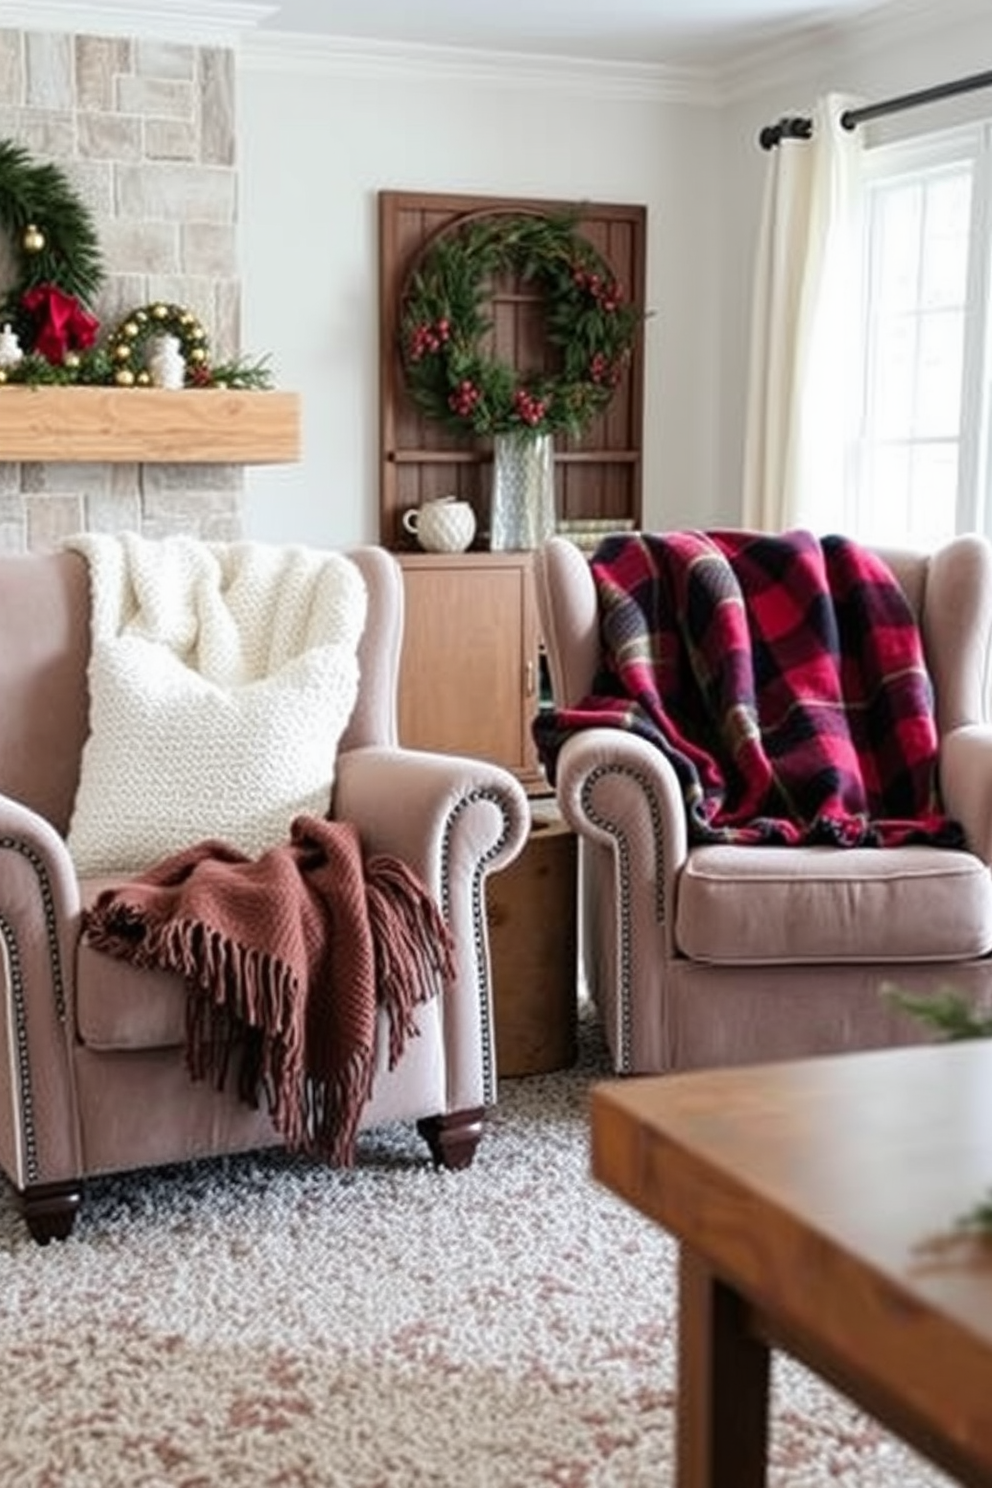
317, 142
874, 61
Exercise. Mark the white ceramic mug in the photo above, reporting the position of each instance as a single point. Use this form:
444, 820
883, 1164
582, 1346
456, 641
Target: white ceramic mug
446, 525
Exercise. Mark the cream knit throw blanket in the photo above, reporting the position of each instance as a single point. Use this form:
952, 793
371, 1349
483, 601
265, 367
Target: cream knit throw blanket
221, 677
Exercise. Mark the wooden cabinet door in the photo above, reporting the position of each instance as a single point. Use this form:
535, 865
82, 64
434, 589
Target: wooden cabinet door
469, 668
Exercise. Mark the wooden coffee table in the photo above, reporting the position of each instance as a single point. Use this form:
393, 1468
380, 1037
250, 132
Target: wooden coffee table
816, 1203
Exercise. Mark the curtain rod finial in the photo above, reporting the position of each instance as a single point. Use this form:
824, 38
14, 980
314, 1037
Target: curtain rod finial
790, 126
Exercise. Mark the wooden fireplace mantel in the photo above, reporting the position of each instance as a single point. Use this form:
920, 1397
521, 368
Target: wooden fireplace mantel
149, 425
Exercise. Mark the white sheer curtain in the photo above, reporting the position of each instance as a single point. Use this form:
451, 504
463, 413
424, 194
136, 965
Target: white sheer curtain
804, 329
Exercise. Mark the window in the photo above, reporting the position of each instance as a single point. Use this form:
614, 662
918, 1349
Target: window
919, 469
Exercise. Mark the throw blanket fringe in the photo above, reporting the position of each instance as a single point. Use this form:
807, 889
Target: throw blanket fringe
286, 960
396, 920
784, 679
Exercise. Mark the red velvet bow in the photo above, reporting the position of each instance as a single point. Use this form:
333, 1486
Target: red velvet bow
63, 324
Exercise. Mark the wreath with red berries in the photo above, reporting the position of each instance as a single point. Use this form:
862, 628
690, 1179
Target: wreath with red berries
55, 255
445, 320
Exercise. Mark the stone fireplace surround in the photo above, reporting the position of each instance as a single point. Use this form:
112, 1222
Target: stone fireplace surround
144, 131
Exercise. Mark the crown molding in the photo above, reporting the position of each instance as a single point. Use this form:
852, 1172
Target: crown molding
880, 28
206, 22
354, 57
784, 62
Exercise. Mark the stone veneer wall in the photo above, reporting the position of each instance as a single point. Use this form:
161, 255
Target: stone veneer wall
145, 133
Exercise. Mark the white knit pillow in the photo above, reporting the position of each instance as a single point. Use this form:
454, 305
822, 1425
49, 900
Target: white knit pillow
173, 758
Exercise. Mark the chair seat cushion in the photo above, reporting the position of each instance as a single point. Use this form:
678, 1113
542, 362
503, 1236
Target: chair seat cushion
827, 904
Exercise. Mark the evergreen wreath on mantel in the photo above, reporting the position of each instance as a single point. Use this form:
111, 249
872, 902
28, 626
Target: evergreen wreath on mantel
444, 321
58, 270
56, 252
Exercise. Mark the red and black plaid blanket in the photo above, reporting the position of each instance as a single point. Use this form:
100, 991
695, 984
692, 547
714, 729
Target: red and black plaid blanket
782, 676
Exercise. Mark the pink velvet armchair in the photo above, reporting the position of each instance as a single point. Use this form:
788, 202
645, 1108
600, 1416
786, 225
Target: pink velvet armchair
92, 1070
704, 955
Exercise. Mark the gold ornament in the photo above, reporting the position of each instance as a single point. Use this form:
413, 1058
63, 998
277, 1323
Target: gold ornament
124, 377
160, 311
197, 354
144, 378
122, 351
131, 328
3, 376
141, 316
71, 359
33, 240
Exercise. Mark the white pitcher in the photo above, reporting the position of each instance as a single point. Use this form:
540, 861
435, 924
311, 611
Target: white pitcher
446, 525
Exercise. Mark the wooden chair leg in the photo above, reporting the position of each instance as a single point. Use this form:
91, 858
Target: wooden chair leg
453, 1138
49, 1209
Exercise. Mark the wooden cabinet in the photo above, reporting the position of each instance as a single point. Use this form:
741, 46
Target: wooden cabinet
469, 675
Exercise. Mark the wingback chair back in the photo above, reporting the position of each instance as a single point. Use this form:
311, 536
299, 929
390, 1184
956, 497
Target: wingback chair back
703, 955
93, 1076
44, 647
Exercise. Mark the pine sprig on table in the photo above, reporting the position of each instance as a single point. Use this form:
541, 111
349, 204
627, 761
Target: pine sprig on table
948, 1013
978, 1221
951, 1015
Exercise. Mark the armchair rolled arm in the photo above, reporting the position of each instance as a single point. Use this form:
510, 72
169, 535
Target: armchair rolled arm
454, 821
24, 831
403, 802
966, 783
622, 797
39, 928
620, 791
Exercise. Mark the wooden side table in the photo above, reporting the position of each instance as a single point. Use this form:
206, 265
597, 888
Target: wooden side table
531, 912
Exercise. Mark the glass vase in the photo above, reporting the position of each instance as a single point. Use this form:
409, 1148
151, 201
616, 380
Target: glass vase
522, 510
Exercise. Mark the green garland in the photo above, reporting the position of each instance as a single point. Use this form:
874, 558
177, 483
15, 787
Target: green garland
121, 362
444, 320
57, 257
53, 237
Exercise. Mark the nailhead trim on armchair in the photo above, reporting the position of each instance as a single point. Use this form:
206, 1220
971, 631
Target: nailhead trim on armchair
29, 1132
478, 922
626, 977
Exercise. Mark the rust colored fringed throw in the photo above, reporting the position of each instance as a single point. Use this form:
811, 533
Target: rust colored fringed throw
287, 958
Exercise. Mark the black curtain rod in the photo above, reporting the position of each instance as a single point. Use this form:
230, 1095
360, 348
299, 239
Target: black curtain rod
796, 127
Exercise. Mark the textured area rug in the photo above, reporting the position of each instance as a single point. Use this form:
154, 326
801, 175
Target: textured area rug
265, 1323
